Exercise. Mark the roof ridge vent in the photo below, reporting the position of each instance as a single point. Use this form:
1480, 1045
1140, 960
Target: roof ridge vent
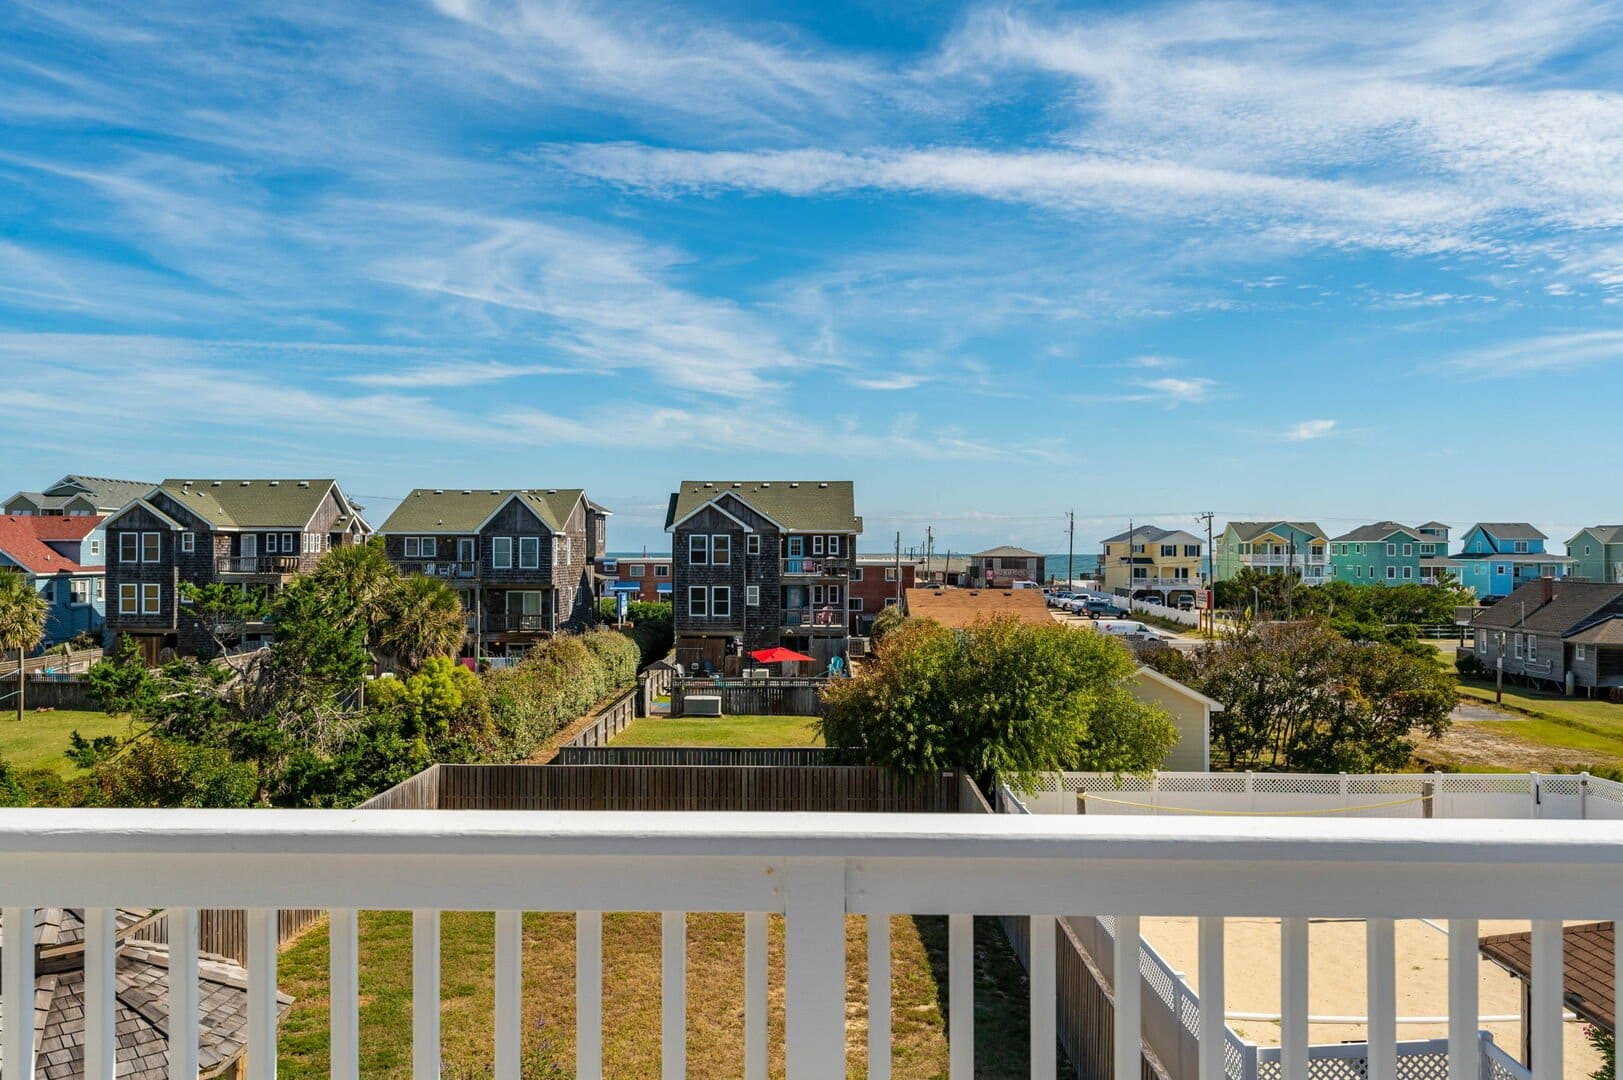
467, 491
244, 483
214, 483
495, 491
794, 483
275, 483
304, 483
823, 484
439, 491
552, 491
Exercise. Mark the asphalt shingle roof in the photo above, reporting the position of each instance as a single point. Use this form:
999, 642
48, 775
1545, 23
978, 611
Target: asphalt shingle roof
463, 510
1148, 534
250, 504
1380, 530
1007, 551
796, 505
106, 493
23, 539
1510, 530
1605, 534
1250, 530
1589, 985
1573, 604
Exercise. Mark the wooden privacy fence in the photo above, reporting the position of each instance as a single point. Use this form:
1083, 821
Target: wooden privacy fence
49, 693
779, 756
840, 788
615, 717
754, 697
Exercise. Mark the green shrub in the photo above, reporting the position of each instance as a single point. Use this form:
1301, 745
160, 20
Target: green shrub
1469, 665
554, 686
619, 655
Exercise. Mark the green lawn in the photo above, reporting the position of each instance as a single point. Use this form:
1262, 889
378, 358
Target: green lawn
38, 741
1573, 723
722, 731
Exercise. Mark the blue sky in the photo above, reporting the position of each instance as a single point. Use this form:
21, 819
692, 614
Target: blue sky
993, 262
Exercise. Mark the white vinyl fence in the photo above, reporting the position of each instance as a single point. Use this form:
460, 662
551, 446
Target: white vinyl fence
1577, 796
1171, 1007
1177, 615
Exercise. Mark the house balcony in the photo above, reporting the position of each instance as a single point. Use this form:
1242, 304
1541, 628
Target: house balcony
819, 619
264, 565
1297, 561
815, 566
503, 622
441, 568
813, 870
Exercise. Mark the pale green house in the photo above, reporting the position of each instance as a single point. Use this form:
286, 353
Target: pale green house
1598, 553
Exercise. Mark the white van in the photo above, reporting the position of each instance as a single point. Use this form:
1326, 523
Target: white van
1024, 585
1131, 628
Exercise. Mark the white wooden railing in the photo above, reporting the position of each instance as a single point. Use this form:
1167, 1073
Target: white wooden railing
814, 869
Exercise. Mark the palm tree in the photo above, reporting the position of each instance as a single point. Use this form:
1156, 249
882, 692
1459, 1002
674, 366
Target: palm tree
424, 618
22, 621
365, 574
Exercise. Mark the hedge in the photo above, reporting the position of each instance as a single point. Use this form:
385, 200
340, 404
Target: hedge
556, 684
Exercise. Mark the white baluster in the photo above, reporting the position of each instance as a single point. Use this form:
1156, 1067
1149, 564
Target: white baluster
1381, 997
1213, 1040
183, 1044
1044, 1000
814, 968
1293, 937
1464, 1039
509, 993
961, 996
755, 995
674, 995
262, 941
1126, 985
1548, 980
17, 984
425, 995
100, 993
588, 995
344, 992
878, 997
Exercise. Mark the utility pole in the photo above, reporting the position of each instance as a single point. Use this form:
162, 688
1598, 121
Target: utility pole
1206, 583
1070, 551
929, 549
898, 567
1132, 563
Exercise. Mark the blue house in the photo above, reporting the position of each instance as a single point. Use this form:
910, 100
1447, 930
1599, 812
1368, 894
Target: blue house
63, 557
1497, 556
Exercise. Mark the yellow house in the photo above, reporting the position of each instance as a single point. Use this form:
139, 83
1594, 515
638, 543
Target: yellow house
1152, 563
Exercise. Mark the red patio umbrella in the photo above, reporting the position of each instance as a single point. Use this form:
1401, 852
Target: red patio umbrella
779, 655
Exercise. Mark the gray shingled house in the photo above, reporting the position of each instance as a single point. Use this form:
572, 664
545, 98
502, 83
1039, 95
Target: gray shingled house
1558, 634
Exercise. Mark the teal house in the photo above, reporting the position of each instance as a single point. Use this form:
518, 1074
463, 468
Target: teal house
1387, 553
1597, 553
1497, 556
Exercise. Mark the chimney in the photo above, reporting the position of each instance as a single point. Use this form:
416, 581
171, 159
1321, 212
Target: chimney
1546, 589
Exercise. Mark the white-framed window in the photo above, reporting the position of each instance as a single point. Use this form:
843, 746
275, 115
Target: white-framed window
95, 549
501, 552
98, 588
752, 596
1408, 550
834, 545
890, 601
698, 549
273, 544
529, 552
289, 545
636, 569
1532, 646
834, 596
721, 550
1391, 550
151, 547
1481, 641
563, 549
429, 547
412, 546
466, 549
1520, 547
151, 598
856, 573
752, 544
698, 601
1516, 646
662, 570
79, 591
721, 601
816, 595
129, 547
817, 545
1500, 569
1578, 652
129, 602
1391, 573
1358, 570
855, 603
1408, 573
891, 573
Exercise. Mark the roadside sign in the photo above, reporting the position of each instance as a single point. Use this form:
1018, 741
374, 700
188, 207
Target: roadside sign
1203, 600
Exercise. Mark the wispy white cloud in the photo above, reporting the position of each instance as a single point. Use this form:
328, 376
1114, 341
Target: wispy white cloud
1550, 353
454, 373
894, 381
1168, 392
1310, 429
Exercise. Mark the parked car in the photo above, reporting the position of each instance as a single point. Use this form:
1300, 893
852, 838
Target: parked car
1186, 603
1130, 628
1104, 606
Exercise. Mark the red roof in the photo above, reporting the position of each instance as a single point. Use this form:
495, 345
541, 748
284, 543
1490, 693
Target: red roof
23, 536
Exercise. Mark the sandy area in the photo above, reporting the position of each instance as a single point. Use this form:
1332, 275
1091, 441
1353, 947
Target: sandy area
1336, 980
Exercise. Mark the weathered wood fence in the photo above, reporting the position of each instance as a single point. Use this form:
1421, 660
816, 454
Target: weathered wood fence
754, 697
777, 756
831, 789
58, 663
49, 693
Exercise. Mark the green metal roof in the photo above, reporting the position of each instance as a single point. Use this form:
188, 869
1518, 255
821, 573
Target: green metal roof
798, 505
446, 510
250, 504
